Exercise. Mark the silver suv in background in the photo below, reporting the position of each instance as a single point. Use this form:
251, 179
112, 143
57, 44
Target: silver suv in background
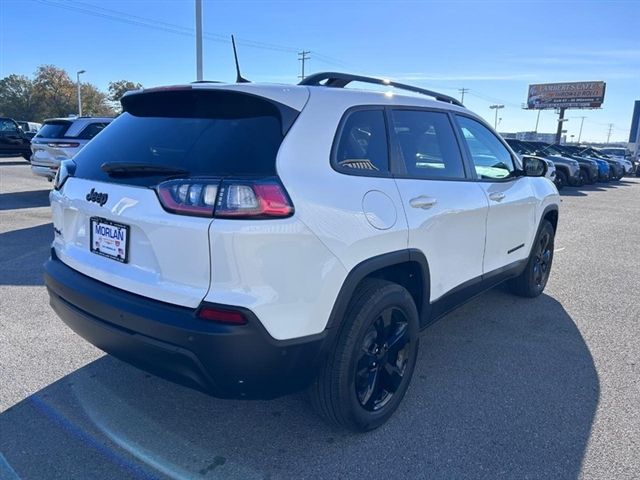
60, 139
29, 128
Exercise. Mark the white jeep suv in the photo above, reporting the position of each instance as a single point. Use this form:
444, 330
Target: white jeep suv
253, 240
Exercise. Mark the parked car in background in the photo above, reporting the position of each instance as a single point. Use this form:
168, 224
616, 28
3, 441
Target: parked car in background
13, 141
603, 168
618, 152
60, 139
589, 172
616, 168
29, 128
625, 163
567, 170
521, 151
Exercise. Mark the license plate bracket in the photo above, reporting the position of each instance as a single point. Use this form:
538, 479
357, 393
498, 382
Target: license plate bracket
109, 239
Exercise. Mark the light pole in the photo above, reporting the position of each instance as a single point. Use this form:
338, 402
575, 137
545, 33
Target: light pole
79, 94
580, 133
199, 40
496, 108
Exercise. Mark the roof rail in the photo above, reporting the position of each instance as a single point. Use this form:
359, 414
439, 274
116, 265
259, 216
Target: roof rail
341, 80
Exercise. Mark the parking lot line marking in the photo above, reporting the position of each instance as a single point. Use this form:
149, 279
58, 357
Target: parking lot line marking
6, 471
559, 249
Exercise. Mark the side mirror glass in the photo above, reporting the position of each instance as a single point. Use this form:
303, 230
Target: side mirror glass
534, 167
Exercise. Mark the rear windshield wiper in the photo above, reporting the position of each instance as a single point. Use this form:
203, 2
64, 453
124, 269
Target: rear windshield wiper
134, 169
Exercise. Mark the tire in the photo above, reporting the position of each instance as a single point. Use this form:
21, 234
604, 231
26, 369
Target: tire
27, 157
583, 178
561, 179
531, 282
360, 385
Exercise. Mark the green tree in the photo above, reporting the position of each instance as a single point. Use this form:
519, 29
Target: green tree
94, 102
118, 88
55, 92
17, 98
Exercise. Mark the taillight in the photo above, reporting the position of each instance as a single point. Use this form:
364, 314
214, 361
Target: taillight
189, 197
231, 317
252, 199
241, 199
63, 144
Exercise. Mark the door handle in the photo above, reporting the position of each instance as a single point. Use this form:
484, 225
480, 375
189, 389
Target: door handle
423, 202
497, 196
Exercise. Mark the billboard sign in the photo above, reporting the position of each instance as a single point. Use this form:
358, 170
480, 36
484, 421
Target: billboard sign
566, 95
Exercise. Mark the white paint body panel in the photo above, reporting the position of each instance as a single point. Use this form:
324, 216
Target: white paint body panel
289, 271
279, 270
451, 233
168, 254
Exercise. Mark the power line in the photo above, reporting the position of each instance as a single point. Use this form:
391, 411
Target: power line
136, 20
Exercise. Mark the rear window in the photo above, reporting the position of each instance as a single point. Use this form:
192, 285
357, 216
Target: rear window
54, 129
206, 133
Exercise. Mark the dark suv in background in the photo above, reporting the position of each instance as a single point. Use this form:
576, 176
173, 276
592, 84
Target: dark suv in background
588, 168
13, 141
567, 170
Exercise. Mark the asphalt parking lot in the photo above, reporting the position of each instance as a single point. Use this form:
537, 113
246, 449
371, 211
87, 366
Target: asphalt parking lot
504, 387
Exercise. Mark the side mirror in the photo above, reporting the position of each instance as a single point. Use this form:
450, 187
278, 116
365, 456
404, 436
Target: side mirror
534, 166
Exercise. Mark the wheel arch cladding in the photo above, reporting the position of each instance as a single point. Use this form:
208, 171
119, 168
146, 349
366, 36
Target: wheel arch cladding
551, 214
408, 268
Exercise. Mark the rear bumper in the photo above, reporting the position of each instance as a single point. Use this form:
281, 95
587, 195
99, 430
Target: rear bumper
171, 342
44, 171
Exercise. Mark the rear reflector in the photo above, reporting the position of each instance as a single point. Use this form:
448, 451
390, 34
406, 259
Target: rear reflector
230, 317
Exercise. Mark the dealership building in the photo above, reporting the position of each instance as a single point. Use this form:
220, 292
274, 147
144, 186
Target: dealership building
532, 137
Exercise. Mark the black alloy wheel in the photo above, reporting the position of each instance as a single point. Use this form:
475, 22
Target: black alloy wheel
542, 261
533, 279
366, 375
383, 359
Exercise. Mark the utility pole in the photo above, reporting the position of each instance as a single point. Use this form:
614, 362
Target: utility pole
537, 121
462, 91
303, 56
561, 121
581, 123
609, 133
496, 108
199, 77
79, 94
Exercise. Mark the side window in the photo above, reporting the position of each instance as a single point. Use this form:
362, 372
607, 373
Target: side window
428, 145
91, 130
7, 126
362, 146
490, 157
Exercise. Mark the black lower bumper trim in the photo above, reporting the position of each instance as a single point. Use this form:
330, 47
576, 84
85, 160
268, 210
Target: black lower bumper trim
227, 361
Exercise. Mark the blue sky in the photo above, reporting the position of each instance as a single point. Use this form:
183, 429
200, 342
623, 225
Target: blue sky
493, 48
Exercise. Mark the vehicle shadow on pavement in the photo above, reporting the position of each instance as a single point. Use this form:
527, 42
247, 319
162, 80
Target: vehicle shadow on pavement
30, 199
22, 254
583, 190
13, 163
504, 387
